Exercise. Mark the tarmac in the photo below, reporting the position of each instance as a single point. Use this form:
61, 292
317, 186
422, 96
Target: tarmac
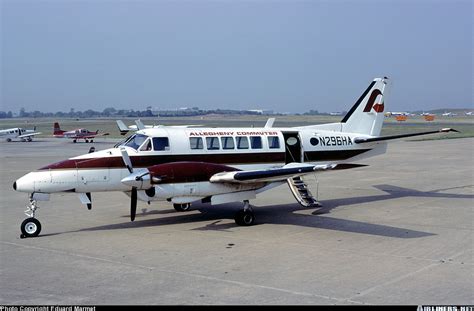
399, 231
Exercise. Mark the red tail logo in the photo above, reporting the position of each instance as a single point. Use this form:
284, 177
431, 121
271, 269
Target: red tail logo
371, 102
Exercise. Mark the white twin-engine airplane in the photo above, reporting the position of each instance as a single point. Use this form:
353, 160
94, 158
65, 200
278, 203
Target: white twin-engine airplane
185, 165
18, 132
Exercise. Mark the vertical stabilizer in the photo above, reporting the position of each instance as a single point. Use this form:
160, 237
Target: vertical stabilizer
57, 129
366, 116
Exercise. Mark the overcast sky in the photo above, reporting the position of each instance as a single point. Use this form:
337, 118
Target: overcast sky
287, 56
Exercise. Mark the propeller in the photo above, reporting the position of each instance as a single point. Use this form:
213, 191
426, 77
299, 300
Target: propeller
133, 198
126, 160
133, 204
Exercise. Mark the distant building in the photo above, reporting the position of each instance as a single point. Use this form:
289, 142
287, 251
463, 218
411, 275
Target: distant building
261, 111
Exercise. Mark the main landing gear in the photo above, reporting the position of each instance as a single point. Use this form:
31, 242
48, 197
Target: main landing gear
30, 227
182, 207
245, 217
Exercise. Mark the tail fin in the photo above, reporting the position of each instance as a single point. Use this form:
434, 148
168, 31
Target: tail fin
57, 129
366, 116
140, 125
122, 127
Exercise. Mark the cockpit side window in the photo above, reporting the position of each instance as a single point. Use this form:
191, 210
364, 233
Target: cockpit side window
161, 143
135, 141
146, 146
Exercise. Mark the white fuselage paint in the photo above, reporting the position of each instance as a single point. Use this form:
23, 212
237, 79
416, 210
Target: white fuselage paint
316, 146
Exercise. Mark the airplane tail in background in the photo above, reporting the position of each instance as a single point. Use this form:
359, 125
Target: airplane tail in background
57, 129
366, 116
122, 127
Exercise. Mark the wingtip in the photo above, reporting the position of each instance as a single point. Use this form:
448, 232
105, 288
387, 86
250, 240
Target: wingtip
446, 130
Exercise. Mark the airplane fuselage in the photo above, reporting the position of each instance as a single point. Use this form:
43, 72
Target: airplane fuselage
239, 148
17, 132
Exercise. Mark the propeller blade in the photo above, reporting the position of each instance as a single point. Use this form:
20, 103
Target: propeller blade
126, 160
89, 205
133, 204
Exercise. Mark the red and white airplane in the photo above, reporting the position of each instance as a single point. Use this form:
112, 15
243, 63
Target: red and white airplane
216, 165
76, 134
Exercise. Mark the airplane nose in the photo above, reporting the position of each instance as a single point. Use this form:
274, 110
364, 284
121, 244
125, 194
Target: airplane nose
24, 184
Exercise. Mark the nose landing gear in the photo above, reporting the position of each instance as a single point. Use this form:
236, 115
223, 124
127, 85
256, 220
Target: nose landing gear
30, 227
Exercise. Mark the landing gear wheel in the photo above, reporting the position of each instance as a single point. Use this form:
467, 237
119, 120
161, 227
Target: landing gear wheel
30, 227
244, 218
182, 207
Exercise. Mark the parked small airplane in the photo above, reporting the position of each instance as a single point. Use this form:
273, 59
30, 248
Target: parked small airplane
18, 132
184, 165
449, 114
397, 113
76, 134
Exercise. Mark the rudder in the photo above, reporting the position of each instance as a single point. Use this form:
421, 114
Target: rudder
366, 116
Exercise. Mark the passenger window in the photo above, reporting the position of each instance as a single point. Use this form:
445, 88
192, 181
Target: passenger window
196, 143
161, 143
146, 146
273, 142
256, 142
212, 143
242, 142
227, 142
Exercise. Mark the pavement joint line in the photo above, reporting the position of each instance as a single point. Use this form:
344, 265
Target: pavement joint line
395, 280
184, 273
371, 254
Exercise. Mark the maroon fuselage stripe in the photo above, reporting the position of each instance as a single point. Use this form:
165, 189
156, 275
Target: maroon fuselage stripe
147, 161
243, 158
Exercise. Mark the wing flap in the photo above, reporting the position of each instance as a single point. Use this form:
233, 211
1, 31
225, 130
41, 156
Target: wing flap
275, 174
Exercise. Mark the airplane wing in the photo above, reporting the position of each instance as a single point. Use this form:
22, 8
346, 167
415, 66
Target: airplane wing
276, 174
361, 140
94, 135
29, 135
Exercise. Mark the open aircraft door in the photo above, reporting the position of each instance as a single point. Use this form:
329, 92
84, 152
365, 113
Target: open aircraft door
293, 152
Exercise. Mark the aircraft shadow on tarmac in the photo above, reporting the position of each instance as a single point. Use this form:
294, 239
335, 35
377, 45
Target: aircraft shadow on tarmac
291, 214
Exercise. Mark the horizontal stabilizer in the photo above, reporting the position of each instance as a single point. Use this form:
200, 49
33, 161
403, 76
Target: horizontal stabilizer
360, 140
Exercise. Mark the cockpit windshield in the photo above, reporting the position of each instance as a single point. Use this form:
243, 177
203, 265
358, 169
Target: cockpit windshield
134, 141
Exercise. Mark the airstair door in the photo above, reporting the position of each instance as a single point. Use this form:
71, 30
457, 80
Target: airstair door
292, 147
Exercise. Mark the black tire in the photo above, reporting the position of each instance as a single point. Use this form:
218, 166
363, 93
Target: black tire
9, 139
87, 141
244, 218
91, 141
74, 141
182, 207
30, 227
